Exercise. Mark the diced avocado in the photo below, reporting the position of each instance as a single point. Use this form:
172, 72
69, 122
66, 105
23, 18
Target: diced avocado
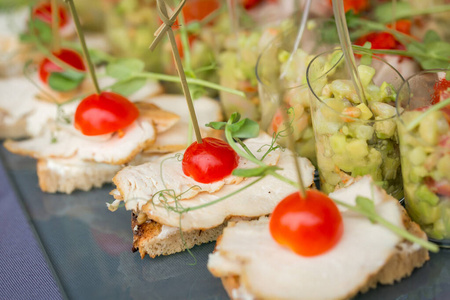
425, 195
442, 125
382, 110
361, 131
438, 231
326, 91
344, 162
375, 157
338, 143
366, 74
428, 129
417, 156
357, 148
366, 114
344, 89
337, 104
385, 129
390, 167
443, 166
373, 93
283, 56
388, 93
417, 174
372, 170
428, 214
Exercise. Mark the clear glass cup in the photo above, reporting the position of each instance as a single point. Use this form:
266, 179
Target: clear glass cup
292, 88
129, 28
354, 138
425, 152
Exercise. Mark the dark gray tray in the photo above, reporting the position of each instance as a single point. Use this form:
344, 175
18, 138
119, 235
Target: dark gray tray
89, 249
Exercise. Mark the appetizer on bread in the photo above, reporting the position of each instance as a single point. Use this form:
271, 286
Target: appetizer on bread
158, 230
69, 160
253, 266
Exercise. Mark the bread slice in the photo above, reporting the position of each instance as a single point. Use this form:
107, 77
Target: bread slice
155, 239
67, 175
253, 266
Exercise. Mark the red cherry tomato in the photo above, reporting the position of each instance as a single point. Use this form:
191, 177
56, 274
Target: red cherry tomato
379, 40
355, 5
104, 113
442, 92
403, 26
43, 12
70, 57
196, 10
209, 161
385, 40
308, 226
249, 4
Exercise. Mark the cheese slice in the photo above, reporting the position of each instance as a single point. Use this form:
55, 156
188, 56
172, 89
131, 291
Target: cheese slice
267, 270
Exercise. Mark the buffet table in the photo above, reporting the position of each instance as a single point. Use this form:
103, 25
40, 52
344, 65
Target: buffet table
57, 246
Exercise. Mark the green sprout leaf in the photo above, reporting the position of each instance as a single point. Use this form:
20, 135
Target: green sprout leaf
255, 172
124, 68
366, 59
65, 81
384, 12
366, 205
129, 86
242, 129
245, 128
431, 36
40, 30
217, 125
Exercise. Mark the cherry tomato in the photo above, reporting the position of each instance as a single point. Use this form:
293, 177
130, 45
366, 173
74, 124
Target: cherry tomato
196, 10
379, 40
43, 12
403, 26
210, 161
70, 57
104, 113
355, 5
308, 226
441, 90
249, 4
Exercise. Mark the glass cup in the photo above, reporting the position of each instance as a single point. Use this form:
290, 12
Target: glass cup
355, 138
292, 88
425, 152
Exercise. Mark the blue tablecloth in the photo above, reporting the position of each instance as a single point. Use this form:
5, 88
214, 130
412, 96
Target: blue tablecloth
24, 272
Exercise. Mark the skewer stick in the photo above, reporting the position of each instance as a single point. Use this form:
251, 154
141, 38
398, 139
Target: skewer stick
168, 22
346, 45
291, 142
87, 57
56, 43
298, 38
